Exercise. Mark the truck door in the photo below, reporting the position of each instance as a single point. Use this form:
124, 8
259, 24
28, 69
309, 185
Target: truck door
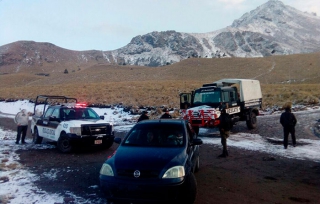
43, 122
185, 100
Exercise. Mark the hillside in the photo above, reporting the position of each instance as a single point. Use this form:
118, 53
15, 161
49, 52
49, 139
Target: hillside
294, 77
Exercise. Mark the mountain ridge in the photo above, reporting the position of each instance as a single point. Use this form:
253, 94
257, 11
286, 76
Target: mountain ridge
271, 29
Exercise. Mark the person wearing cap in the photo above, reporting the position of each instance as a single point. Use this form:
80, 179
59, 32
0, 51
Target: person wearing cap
22, 120
166, 114
288, 121
224, 127
143, 116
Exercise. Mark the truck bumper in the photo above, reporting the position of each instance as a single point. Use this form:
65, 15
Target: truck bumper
95, 140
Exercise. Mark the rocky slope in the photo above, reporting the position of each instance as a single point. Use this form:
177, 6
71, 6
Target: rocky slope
272, 28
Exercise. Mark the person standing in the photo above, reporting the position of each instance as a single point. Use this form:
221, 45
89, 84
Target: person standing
143, 116
166, 114
288, 121
224, 127
22, 119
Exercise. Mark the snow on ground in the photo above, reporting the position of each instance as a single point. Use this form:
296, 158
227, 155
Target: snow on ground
307, 150
116, 115
17, 183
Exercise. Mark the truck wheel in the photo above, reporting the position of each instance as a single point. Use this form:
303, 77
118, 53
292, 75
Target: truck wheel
251, 120
37, 139
107, 144
64, 144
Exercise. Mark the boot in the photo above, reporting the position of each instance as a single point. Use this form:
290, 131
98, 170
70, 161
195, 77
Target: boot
226, 153
223, 155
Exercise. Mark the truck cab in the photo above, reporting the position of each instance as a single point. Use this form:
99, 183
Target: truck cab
70, 124
241, 98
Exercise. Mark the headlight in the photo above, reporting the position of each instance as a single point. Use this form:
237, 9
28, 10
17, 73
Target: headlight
75, 130
106, 170
174, 172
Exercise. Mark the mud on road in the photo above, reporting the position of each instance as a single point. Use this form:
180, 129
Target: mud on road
244, 177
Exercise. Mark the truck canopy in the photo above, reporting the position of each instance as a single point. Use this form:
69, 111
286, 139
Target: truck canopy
249, 89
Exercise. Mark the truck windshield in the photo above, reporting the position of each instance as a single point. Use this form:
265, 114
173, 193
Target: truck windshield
207, 97
79, 113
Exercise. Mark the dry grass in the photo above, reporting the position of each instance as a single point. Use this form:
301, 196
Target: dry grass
292, 78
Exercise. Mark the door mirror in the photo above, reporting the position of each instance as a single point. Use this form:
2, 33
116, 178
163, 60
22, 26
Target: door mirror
185, 100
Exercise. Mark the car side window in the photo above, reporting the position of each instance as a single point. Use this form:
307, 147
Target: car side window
49, 112
55, 113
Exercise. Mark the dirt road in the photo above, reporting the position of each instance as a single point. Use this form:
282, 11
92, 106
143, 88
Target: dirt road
244, 177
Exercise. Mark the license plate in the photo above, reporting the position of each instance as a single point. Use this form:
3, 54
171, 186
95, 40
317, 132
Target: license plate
98, 142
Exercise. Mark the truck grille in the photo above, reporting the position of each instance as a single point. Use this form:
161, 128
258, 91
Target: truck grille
96, 129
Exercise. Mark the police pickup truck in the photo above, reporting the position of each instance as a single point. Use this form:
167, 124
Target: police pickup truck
70, 124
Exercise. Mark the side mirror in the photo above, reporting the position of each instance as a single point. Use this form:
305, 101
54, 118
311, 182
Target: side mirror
197, 142
101, 117
117, 140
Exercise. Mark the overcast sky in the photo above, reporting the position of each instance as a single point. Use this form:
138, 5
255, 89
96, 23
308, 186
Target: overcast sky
111, 24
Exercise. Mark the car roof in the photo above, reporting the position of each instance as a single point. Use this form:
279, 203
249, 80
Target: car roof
166, 121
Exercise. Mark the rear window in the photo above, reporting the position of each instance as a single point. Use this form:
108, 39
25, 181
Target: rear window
157, 135
78, 113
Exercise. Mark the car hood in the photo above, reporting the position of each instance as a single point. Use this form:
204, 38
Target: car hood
148, 157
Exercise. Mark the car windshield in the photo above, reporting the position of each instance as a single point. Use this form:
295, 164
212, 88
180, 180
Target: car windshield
78, 113
156, 135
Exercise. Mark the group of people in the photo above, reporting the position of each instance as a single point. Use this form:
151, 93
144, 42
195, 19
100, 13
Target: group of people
166, 115
287, 119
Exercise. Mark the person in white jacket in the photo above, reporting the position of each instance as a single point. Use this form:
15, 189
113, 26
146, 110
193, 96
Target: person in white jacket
22, 119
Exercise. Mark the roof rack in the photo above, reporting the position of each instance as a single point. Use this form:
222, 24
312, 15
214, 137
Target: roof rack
45, 98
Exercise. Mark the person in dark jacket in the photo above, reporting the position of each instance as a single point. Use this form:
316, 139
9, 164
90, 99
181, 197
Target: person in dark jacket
143, 116
288, 121
166, 114
224, 127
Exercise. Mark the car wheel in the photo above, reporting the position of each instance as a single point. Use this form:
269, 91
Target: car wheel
190, 189
197, 165
64, 144
251, 120
37, 139
107, 144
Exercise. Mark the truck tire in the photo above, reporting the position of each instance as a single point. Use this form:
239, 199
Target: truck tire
107, 144
251, 120
64, 144
37, 139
